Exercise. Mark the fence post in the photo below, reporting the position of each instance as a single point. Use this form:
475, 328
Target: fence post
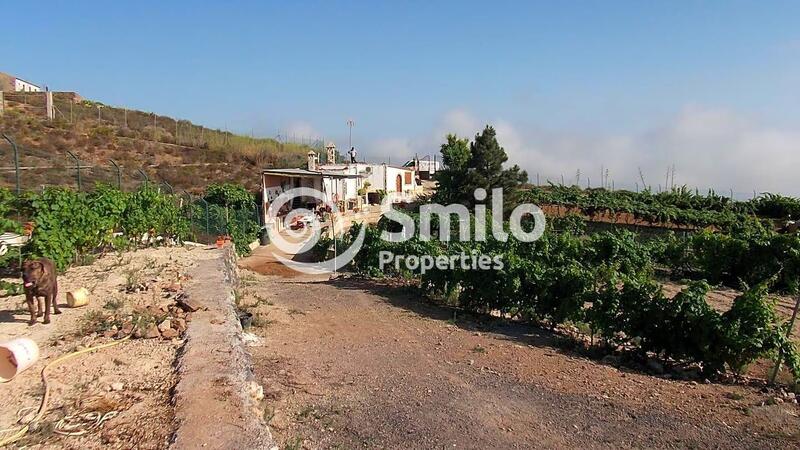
190, 206
171, 190
77, 168
144, 176
119, 173
206, 203
16, 159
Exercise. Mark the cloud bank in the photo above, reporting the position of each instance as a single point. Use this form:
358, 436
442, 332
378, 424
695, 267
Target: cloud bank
709, 148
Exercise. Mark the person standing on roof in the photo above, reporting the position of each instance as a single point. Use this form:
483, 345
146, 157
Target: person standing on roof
353, 153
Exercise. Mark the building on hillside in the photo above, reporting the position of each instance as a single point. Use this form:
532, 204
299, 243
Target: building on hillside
10, 83
425, 167
337, 187
349, 185
400, 184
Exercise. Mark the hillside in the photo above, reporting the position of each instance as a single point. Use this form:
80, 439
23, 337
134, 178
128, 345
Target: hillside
183, 154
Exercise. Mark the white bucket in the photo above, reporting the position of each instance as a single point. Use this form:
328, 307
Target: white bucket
78, 297
15, 356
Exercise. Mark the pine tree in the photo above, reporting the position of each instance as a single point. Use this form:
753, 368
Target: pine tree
478, 166
455, 156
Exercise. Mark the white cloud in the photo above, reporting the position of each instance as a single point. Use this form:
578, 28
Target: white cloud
300, 129
392, 150
709, 147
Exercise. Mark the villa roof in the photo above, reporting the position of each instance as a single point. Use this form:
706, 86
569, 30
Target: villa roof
309, 173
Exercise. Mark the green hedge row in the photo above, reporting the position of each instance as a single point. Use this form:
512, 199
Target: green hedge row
68, 224
679, 205
604, 281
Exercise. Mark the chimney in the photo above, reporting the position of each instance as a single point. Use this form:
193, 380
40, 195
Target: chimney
331, 148
312, 160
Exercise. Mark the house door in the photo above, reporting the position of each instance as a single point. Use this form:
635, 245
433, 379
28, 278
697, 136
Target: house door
399, 184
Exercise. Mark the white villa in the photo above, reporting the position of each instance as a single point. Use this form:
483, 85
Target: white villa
351, 186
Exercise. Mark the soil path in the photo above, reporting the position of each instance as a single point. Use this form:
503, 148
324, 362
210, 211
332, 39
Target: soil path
349, 364
135, 377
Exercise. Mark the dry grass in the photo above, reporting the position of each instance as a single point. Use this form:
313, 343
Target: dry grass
189, 160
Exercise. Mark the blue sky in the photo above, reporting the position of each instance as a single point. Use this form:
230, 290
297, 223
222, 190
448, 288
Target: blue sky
711, 87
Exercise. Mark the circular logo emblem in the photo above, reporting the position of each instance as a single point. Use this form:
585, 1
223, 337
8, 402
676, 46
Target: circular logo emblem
302, 230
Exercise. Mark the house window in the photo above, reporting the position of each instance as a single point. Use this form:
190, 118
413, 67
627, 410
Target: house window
408, 177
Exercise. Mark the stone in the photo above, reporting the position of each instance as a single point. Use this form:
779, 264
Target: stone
169, 333
152, 332
127, 328
117, 386
165, 325
186, 303
179, 324
109, 333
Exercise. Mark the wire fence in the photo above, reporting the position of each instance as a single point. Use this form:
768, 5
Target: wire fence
208, 221
25, 170
32, 169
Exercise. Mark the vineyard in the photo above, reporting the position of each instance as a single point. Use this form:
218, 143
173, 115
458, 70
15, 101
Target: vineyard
70, 226
679, 206
609, 284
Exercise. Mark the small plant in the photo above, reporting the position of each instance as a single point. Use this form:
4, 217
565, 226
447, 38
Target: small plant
143, 320
305, 413
10, 288
133, 281
114, 304
262, 320
95, 322
268, 414
295, 443
479, 349
262, 301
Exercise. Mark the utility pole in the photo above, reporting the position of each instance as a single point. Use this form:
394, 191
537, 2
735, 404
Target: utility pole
602, 176
350, 123
641, 176
49, 106
672, 177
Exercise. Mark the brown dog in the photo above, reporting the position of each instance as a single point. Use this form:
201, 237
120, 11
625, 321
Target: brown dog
39, 280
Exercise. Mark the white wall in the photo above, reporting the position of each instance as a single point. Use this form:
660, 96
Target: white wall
24, 86
391, 180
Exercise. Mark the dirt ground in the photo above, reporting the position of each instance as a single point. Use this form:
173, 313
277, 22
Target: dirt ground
134, 377
349, 363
